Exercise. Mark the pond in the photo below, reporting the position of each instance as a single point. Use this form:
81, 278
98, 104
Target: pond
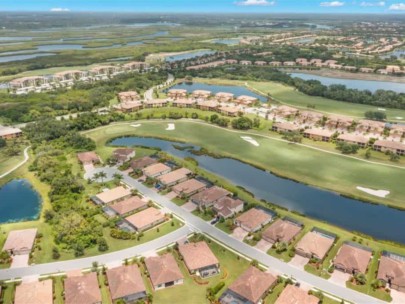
236, 90
399, 53
189, 55
378, 221
370, 85
19, 202
23, 57
229, 41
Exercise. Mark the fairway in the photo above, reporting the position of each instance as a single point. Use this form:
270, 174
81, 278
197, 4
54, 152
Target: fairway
328, 171
288, 95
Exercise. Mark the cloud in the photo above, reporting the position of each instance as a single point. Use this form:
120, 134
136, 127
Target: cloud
397, 7
256, 3
59, 9
370, 4
332, 4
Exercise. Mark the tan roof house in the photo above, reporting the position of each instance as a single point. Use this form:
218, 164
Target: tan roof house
37, 292
295, 295
246, 100
129, 106
82, 289
201, 94
370, 126
146, 219
156, 170
309, 117
174, 177
126, 283
88, 158
20, 241
183, 103
189, 187
353, 139
155, 103
9, 132
339, 122
199, 259
251, 287
314, 244
227, 207
112, 195
253, 219
134, 203
207, 105
352, 258
143, 162
319, 134
123, 154
163, 271
282, 127
209, 197
229, 111
177, 93
391, 270
128, 96
286, 111
224, 97
392, 146
282, 230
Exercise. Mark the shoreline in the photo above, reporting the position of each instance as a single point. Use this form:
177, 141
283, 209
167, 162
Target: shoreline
348, 75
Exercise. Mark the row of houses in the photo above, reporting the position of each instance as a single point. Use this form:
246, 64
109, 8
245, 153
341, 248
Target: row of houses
67, 79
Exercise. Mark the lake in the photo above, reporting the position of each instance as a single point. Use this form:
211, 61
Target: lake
23, 57
355, 83
189, 55
378, 221
19, 202
229, 41
236, 90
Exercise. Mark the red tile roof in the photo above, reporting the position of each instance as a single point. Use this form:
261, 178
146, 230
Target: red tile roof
124, 281
197, 255
163, 269
82, 289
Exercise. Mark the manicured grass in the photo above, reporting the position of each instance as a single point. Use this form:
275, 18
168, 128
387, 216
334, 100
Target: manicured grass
323, 273
206, 216
285, 159
178, 201
7, 163
224, 227
58, 290
368, 290
105, 291
8, 293
274, 294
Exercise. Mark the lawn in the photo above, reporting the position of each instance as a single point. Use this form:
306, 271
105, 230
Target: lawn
7, 162
291, 161
289, 95
58, 290
8, 293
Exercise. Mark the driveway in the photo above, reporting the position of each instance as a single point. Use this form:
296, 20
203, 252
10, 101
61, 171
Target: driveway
20, 260
189, 206
263, 245
298, 261
171, 195
239, 234
397, 297
340, 278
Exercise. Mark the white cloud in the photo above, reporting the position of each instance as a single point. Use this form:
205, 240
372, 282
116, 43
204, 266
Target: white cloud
370, 4
397, 7
59, 9
256, 3
332, 4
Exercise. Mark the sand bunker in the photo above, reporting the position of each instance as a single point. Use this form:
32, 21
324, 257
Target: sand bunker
399, 117
381, 109
136, 126
379, 193
170, 127
250, 140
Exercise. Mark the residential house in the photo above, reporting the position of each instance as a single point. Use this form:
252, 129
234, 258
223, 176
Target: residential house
284, 127
132, 204
366, 70
359, 140
199, 259
245, 62
250, 288
352, 258
246, 100
292, 294
111, 196
129, 107
350, 68
82, 289
189, 187
227, 207
128, 96
126, 283
282, 230
224, 97
20, 242
289, 63
315, 244
391, 146
208, 197
87, 158
139, 164
309, 118
397, 132
231, 61
275, 63
177, 93
146, 219
254, 219
155, 103
174, 177
201, 94
184, 103
260, 63
9, 132
286, 111
337, 122
229, 111
391, 270
163, 271
207, 105
319, 134
123, 155
156, 170
36, 292
370, 126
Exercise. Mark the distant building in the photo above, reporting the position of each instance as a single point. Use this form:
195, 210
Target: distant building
128, 96
177, 93
9, 132
224, 97
183, 103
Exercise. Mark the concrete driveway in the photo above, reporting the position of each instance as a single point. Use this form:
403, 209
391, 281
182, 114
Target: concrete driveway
20, 260
340, 278
299, 261
239, 234
189, 206
397, 297
171, 195
263, 245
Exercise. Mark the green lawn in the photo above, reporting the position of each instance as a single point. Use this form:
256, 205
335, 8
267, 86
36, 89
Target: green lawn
292, 161
8, 293
58, 290
105, 291
7, 162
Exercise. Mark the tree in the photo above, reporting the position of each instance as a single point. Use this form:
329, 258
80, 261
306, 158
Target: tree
293, 136
3, 142
102, 244
347, 148
394, 157
360, 278
375, 115
118, 178
368, 154
281, 247
242, 123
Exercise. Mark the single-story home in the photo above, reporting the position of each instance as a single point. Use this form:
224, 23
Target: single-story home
163, 271
20, 241
208, 197
88, 158
253, 219
227, 207
123, 154
134, 203
250, 287
174, 177
111, 196
146, 219
199, 259
156, 170
126, 283
36, 292
352, 258
189, 187
282, 230
139, 164
391, 270
295, 295
82, 289
315, 244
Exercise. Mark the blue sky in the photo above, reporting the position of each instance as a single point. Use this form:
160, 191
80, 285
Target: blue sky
241, 6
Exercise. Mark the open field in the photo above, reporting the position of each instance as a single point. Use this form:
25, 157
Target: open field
288, 95
285, 159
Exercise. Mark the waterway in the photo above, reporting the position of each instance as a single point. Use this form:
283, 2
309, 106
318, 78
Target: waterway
378, 221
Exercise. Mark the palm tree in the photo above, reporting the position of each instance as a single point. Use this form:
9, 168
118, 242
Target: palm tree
96, 176
102, 175
118, 178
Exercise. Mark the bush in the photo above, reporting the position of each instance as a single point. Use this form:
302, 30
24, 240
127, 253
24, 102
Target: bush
242, 123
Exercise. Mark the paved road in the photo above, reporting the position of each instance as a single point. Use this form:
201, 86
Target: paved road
112, 257
26, 157
148, 95
274, 264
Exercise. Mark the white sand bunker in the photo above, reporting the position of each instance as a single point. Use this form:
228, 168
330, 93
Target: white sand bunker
250, 140
136, 126
381, 109
170, 127
399, 117
379, 193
